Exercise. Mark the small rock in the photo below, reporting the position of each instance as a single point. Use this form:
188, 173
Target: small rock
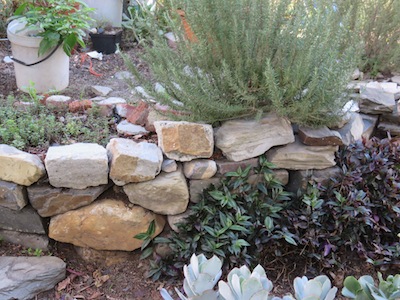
79, 105
353, 130
200, 169
12, 195
184, 141
124, 109
180, 218
101, 90
139, 90
111, 101
24, 220
167, 194
225, 166
396, 79
169, 165
243, 139
58, 101
356, 74
126, 128
196, 187
19, 167
50, 201
77, 166
159, 88
24, 277
297, 156
393, 129
378, 98
123, 75
322, 136
133, 162
98, 98
139, 114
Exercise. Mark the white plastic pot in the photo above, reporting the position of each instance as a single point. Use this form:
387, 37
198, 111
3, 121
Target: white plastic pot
51, 74
107, 11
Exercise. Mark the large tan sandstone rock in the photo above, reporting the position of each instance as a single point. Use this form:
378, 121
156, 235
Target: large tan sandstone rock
184, 141
133, 162
107, 224
77, 166
19, 167
244, 139
297, 156
167, 194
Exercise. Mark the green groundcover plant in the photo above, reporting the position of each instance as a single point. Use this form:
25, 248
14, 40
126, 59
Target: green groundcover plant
248, 57
35, 125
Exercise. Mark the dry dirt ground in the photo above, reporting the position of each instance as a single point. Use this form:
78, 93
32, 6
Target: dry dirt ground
127, 280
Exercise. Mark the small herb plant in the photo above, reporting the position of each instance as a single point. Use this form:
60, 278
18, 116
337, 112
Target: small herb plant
37, 126
57, 21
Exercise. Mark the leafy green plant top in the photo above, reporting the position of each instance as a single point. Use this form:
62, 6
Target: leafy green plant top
233, 221
290, 57
57, 21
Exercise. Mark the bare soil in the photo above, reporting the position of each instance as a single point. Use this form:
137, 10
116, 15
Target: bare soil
127, 280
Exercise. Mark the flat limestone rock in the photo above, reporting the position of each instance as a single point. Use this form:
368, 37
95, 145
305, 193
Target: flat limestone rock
77, 166
167, 194
12, 195
243, 139
101, 90
126, 128
107, 224
378, 98
353, 130
297, 156
322, 136
25, 220
50, 201
19, 167
24, 277
133, 162
184, 141
393, 129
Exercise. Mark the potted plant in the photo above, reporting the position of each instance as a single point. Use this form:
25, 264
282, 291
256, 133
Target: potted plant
105, 37
42, 35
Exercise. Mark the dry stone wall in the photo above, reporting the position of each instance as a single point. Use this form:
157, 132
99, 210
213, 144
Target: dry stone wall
100, 197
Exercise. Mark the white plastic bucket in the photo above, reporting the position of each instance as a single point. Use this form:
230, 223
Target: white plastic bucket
51, 74
109, 11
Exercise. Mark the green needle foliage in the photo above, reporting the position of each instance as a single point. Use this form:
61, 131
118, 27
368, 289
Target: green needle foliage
253, 56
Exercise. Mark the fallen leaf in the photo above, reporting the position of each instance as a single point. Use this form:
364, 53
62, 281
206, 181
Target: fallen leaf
99, 279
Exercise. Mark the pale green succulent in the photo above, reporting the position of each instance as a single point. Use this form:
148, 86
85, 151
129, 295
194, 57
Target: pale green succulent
201, 275
243, 285
319, 288
364, 288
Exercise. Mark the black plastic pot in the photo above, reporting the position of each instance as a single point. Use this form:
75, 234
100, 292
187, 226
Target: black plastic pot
106, 43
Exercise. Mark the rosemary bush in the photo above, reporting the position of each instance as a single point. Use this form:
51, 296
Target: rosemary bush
6, 11
381, 35
253, 56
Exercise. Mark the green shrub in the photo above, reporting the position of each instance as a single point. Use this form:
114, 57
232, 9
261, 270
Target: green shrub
232, 221
250, 57
381, 34
359, 210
